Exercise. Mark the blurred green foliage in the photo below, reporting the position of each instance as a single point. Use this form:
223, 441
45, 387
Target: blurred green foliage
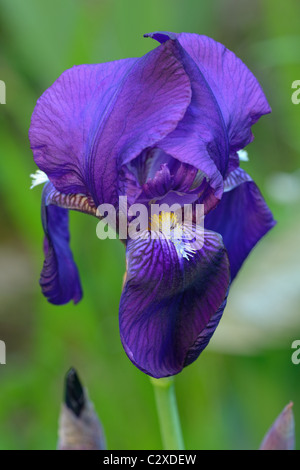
226, 400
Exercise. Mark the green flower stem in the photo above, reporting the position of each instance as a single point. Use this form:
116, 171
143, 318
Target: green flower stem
168, 413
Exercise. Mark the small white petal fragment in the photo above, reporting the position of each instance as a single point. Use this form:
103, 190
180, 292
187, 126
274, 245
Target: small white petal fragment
39, 177
184, 249
243, 155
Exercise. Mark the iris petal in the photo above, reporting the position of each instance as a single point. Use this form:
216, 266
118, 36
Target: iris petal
169, 302
200, 138
157, 176
66, 117
242, 218
59, 278
236, 90
95, 118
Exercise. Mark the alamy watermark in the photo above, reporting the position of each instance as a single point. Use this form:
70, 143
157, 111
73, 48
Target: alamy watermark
183, 225
2, 92
2, 352
173, 222
296, 94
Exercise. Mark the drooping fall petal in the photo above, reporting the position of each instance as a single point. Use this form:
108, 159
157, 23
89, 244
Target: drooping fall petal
59, 279
171, 302
242, 218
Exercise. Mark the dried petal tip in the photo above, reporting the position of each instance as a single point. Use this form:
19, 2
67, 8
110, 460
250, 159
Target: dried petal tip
79, 425
281, 435
161, 36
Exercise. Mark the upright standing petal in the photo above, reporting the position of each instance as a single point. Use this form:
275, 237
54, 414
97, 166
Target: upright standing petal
169, 302
153, 99
67, 116
94, 118
238, 93
242, 218
59, 278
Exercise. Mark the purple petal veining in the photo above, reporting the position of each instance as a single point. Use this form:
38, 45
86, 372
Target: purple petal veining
165, 128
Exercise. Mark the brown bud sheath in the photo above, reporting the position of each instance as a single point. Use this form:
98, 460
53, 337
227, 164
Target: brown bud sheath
281, 435
79, 425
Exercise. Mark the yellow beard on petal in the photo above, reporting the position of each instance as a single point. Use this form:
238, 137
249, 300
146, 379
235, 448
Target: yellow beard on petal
163, 219
167, 223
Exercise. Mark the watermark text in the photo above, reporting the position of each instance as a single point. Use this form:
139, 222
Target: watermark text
2, 92
296, 94
184, 224
2, 352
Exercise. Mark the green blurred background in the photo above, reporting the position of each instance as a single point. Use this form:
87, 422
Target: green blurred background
230, 396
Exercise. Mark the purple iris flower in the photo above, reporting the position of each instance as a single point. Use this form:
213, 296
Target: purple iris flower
166, 127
